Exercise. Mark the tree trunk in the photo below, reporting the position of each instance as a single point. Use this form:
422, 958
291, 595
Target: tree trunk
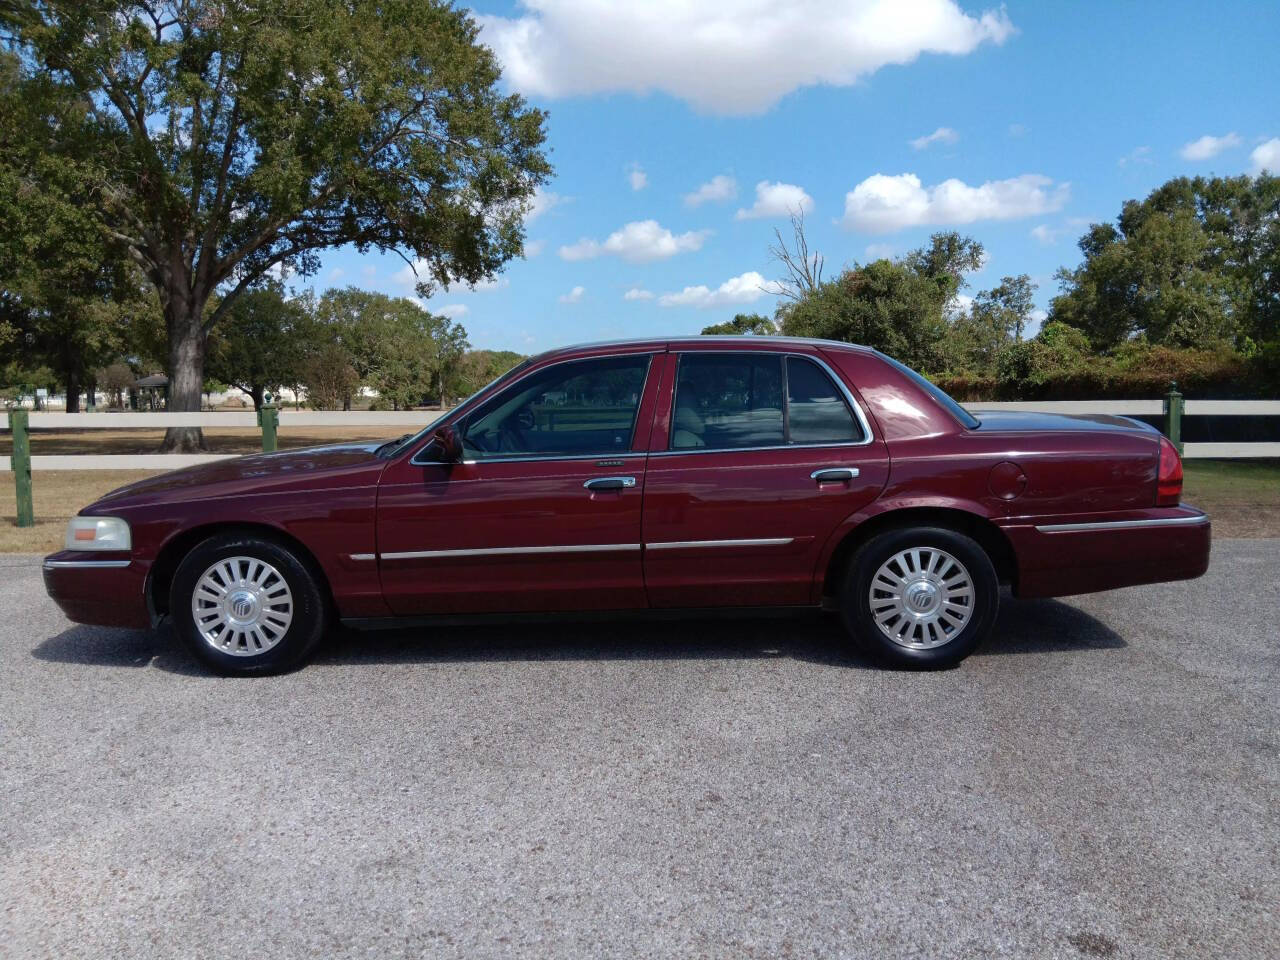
73, 391
186, 372
255, 393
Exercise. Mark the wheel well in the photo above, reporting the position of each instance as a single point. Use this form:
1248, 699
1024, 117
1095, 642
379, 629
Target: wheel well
990, 537
171, 554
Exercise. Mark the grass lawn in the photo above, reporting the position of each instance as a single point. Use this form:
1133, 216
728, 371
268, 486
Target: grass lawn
1243, 497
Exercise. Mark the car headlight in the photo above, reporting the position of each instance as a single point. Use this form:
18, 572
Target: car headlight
98, 533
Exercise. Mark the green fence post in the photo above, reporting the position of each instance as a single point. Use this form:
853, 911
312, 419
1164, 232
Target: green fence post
20, 464
269, 419
1173, 417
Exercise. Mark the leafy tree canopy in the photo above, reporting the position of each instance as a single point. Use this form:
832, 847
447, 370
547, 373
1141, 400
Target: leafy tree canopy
231, 137
1196, 263
744, 324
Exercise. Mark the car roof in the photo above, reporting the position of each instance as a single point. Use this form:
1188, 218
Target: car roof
730, 341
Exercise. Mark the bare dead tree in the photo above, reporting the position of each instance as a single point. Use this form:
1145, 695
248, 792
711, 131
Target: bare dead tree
803, 267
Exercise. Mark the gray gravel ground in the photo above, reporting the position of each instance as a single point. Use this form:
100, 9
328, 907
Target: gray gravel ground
1100, 780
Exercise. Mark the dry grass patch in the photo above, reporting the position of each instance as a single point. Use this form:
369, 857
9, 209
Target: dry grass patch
58, 496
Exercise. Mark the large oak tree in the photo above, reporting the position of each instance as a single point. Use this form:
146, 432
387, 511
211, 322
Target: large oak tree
238, 137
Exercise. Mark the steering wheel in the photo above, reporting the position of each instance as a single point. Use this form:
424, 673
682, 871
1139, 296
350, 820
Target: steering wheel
525, 419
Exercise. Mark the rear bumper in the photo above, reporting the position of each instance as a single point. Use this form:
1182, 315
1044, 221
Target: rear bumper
107, 590
1069, 555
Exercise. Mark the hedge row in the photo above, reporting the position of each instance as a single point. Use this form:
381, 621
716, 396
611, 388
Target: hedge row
1138, 374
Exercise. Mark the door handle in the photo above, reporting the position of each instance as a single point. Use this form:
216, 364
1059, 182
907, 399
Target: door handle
834, 474
610, 483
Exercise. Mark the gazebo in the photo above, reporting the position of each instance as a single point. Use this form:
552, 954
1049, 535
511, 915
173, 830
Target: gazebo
156, 390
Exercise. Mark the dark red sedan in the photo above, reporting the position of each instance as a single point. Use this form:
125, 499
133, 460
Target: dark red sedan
652, 475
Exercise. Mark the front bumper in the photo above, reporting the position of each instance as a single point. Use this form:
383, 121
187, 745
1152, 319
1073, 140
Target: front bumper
1068, 555
106, 589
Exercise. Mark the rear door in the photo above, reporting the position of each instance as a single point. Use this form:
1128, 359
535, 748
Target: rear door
757, 458
543, 513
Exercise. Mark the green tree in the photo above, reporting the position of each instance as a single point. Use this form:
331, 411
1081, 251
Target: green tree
744, 324
235, 137
996, 318
261, 343
894, 306
68, 294
1197, 263
478, 368
395, 346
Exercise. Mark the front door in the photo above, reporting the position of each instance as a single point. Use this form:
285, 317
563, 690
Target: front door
544, 512
764, 456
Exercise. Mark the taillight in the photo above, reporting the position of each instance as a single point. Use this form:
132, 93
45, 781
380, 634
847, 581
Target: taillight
1169, 482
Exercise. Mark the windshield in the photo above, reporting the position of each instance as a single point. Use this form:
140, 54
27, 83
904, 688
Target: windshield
387, 449
953, 408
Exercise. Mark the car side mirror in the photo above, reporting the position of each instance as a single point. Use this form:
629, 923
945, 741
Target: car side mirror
446, 438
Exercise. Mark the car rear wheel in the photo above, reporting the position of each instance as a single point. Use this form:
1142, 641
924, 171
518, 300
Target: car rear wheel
921, 597
246, 604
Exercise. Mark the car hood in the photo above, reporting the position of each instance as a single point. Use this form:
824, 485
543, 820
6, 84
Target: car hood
991, 421
311, 468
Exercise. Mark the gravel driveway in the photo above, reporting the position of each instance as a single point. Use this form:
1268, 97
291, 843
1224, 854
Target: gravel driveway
1100, 780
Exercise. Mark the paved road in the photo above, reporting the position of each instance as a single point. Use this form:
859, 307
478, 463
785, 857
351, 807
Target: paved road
1101, 780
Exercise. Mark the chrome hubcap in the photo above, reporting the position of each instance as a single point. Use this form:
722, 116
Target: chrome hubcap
921, 598
242, 606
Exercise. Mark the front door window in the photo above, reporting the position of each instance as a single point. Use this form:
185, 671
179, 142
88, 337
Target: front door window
581, 408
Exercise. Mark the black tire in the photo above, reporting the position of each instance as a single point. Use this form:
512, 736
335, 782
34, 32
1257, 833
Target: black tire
922, 646
269, 649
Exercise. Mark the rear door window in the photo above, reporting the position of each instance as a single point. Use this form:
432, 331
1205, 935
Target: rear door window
817, 411
735, 401
727, 401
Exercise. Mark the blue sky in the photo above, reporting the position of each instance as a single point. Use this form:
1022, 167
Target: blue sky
1045, 116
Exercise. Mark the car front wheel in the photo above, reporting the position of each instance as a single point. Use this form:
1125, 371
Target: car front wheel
922, 597
245, 604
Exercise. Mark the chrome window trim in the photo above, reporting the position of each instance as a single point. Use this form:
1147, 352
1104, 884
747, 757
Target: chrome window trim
86, 564
867, 437
1123, 524
452, 416
512, 551
697, 544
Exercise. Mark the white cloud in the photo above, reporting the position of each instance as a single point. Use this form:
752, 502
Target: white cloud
745, 288
1043, 233
777, 200
636, 293
1266, 156
882, 204
1138, 155
719, 188
879, 251
941, 135
573, 296
638, 242
337, 273
542, 202
1207, 147
733, 56
637, 177
533, 247
453, 311
369, 272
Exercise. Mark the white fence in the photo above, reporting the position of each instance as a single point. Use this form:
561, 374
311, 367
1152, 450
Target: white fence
417, 419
